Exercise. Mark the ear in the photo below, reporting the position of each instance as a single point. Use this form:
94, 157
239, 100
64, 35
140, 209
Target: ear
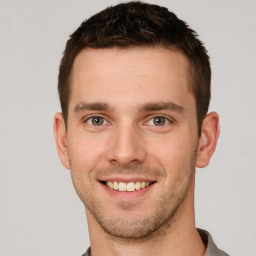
61, 138
208, 139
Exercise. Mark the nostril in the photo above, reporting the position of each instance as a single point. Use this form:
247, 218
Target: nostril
125, 150
114, 162
123, 163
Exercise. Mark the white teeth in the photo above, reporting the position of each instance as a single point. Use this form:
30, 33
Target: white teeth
131, 186
137, 186
115, 185
110, 184
122, 186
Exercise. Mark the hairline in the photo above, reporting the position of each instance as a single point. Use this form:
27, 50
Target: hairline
191, 72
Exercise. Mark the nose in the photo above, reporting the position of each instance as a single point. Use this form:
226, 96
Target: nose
126, 146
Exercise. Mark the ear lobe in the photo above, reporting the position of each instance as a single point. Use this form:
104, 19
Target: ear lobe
61, 139
208, 139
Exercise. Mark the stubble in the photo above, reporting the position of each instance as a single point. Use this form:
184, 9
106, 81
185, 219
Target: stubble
128, 225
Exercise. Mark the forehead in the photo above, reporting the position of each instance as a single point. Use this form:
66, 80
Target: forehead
133, 76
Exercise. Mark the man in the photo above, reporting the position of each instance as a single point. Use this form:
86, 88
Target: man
134, 86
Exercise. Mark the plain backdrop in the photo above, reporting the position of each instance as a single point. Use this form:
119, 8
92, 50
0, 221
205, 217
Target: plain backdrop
40, 213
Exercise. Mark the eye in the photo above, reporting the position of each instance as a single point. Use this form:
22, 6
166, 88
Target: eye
96, 121
158, 121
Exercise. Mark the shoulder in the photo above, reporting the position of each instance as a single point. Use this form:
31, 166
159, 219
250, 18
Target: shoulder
211, 247
88, 252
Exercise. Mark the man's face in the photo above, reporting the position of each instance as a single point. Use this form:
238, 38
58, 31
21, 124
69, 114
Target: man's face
132, 137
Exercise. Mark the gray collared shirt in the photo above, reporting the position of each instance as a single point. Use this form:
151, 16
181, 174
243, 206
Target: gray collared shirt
211, 247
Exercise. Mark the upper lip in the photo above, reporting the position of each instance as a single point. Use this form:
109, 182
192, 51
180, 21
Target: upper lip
127, 179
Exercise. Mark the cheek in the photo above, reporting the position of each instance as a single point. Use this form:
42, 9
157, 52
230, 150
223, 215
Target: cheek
85, 151
172, 152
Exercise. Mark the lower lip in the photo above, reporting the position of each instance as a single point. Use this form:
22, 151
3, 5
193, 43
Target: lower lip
124, 195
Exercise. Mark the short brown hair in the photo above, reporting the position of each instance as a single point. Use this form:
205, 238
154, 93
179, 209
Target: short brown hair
137, 24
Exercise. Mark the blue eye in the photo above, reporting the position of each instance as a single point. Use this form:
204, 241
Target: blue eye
158, 121
96, 121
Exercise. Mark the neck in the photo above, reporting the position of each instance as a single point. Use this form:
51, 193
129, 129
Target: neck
178, 237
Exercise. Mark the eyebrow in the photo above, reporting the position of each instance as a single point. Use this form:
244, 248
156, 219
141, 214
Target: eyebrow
81, 106
158, 106
147, 107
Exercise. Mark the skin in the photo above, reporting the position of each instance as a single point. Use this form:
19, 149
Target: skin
127, 90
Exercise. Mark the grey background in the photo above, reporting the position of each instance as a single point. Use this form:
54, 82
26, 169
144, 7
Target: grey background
40, 214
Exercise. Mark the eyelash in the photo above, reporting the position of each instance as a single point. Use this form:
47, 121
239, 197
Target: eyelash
91, 118
166, 120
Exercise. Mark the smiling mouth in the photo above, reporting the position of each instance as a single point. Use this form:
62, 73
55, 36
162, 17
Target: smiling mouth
127, 187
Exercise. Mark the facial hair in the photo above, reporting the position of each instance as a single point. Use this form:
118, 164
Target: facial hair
130, 225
